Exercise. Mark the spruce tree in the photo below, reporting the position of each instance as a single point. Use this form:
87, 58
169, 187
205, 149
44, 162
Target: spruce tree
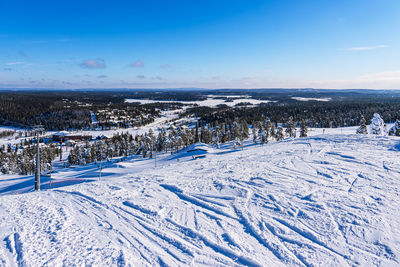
363, 126
254, 131
377, 125
291, 127
272, 131
279, 134
196, 137
395, 130
303, 129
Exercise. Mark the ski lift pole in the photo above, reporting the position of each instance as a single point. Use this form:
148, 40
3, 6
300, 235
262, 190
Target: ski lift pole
100, 169
61, 149
155, 156
37, 170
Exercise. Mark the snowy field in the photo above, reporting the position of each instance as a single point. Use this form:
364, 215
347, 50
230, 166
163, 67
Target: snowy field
326, 200
322, 99
209, 102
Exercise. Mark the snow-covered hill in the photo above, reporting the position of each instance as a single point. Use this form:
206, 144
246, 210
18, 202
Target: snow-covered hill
323, 200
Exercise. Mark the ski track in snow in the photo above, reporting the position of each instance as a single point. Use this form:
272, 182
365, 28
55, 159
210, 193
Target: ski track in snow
331, 200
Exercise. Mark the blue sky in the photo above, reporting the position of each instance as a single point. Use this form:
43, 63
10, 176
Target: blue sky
207, 44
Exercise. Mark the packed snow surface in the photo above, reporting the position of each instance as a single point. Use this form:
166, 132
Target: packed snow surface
327, 200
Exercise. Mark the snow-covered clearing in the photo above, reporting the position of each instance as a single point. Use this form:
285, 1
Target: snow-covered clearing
330, 199
322, 99
209, 102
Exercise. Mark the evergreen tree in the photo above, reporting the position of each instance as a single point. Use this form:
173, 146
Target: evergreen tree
303, 129
291, 127
254, 131
272, 131
196, 136
363, 126
377, 125
237, 134
395, 130
279, 134
202, 134
268, 126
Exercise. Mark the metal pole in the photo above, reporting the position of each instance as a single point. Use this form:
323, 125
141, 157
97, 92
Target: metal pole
155, 157
100, 169
37, 173
61, 150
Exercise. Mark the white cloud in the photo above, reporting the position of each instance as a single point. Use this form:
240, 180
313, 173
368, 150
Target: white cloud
137, 64
93, 64
382, 76
64, 40
14, 63
380, 80
34, 42
366, 48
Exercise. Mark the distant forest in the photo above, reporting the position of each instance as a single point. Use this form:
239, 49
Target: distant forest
331, 114
70, 110
67, 110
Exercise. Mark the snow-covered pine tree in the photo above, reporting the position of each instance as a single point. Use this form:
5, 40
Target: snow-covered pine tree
279, 134
266, 133
395, 130
272, 131
4, 166
291, 127
245, 129
196, 136
303, 129
377, 125
203, 133
254, 131
216, 136
237, 134
363, 126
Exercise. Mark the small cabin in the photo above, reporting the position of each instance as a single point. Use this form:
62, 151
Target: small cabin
61, 137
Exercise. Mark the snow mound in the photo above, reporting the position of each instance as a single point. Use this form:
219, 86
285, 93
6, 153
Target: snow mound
194, 151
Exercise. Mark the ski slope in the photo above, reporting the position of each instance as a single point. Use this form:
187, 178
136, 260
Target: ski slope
329, 199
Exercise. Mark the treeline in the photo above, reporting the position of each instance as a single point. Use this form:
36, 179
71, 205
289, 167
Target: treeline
22, 160
175, 138
71, 110
315, 114
6, 133
28, 109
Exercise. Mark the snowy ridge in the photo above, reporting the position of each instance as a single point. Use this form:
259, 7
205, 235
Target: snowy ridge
323, 200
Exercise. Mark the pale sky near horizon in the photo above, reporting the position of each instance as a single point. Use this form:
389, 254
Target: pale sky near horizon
203, 44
